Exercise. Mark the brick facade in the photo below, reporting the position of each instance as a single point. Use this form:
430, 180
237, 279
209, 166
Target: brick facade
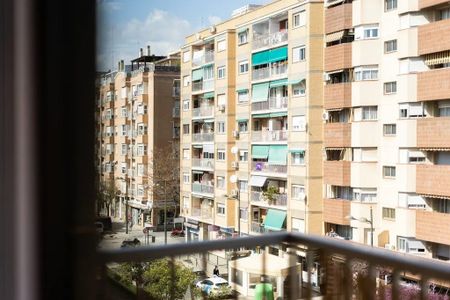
434, 37
429, 3
338, 18
335, 211
433, 180
338, 95
336, 172
433, 85
433, 227
433, 132
338, 57
337, 135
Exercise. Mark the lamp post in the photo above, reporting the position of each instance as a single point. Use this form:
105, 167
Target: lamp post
365, 220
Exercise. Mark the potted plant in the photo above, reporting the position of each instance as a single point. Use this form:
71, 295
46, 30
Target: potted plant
271, 194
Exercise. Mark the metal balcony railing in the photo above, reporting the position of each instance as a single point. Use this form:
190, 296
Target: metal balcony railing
206, 58
347, 270
203, 137
272, 103
269, 39
279, 200
270, 72
265, 167
202, 188
269, 136
203, 163
176, 112
203, 111
203, 213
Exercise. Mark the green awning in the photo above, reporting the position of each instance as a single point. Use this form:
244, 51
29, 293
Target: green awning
242, 119
278, 114
260, 116
278, 83
301, 151
197, 172
197, 74
278, 54
277, 155
242, 90
274, 219
241, 30
208, 95
295, 81
261, 58
260, 151
260, 92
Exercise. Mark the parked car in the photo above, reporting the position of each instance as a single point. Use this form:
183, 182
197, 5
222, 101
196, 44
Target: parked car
130, 243
214, 286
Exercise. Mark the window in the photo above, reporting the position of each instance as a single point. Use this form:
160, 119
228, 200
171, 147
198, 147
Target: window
389, 129
220, 127
141, 149
186, 178
298, 123
141, 169
299, 89
242, 126
243, 214
141, 129
388, 213
109, 148
221, 45
369, 113
365, 154
298, 54
124, 149
243, 37
124, 129
390, 46
124, 112
185, 202
220, 209
371, 33
444, 108
298, 158
388, 172
220, 154
390, 87
243, 185
186, 154
185, 128
220, 72
401, 244
186, 80
411, 110
366, 73
298, 192
123, 92
390, 5
220, 182
141, 109
444, 14
243, 67
221, 100
299, 19
365, 195
243, 96
243, 155
186, 104
186, 56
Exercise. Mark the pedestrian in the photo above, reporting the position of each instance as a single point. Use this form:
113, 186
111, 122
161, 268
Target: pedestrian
216, 271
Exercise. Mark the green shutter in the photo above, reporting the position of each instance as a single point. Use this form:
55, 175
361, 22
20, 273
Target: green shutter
278, 54
278, 114
260, 92
261, 58
277, 155
274, 219
208, 95
260, 151
278, 83
197, 74
242, 30
260, 116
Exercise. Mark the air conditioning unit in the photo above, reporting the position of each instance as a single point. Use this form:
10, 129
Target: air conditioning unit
234, 193
326, 77
235, 133
325, 116
235, 165
221, 107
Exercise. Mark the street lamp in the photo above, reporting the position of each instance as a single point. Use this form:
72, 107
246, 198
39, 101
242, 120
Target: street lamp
233, 179
365, 220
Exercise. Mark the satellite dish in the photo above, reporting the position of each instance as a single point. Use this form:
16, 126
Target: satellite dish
233, 178
234, 150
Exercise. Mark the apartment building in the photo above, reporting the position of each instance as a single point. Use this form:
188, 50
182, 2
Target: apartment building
251, 119
138, 112
387, 113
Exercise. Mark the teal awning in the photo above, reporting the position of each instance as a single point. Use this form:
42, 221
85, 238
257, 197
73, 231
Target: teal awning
242, 90
260, 58
259, 116
297, 151
208, 95
260, 151
274, 219
278, 54
278, 83
278, 114
197, 74
197, 172
277, 155
241, 30
295, 81
242, 119
260, 92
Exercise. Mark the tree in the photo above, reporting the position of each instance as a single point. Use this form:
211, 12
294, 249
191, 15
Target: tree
271, 194
107, 194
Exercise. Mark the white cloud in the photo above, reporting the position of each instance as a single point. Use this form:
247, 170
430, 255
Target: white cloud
214, 20
161, 30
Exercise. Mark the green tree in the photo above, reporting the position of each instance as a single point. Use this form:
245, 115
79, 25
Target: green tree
271, 194
106, 195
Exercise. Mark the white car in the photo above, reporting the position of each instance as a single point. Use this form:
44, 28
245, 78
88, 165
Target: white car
213, 285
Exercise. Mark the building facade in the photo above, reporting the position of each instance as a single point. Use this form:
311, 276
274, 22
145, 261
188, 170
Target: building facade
138, 112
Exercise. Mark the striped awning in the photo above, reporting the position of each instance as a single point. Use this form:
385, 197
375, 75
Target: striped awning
437, 58
334, 148
335, 36
434, 149
434, 196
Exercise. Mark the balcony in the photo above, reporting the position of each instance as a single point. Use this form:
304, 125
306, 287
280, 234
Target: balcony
429, 3
203, 137
269, 136
204, 59
338, 57
433, 227
257, 228
270, 72
202, 213
265, 167
272, 103
337, 172
336, 210
175, 112
338, 17
338, 95
203, 163
434, 37
433, 132
337, 135
203, 111
176, 91
269, 39
433, 180
433, 85
202, 189
258, 199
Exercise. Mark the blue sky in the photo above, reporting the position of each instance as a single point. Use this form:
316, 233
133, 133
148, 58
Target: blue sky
124, 26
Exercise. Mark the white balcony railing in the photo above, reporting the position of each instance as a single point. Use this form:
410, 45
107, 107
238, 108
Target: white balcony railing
280, 199
203, 111
265, 167
203, 137
269, 136
269, 39
204, 59
203, 163
270, 72
202, 188
204, 85
272, 103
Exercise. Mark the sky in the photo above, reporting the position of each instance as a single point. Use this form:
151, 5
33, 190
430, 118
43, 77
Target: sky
124, 26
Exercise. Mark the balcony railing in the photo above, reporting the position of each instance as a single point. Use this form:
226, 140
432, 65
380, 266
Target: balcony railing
269, 136
202, 188
272, 103
270, 72
265, 167
280, 199
202, 213
203, 163
203, 137
176, 91
203, 111
205, 85
206, 58
176, 112
269, 39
